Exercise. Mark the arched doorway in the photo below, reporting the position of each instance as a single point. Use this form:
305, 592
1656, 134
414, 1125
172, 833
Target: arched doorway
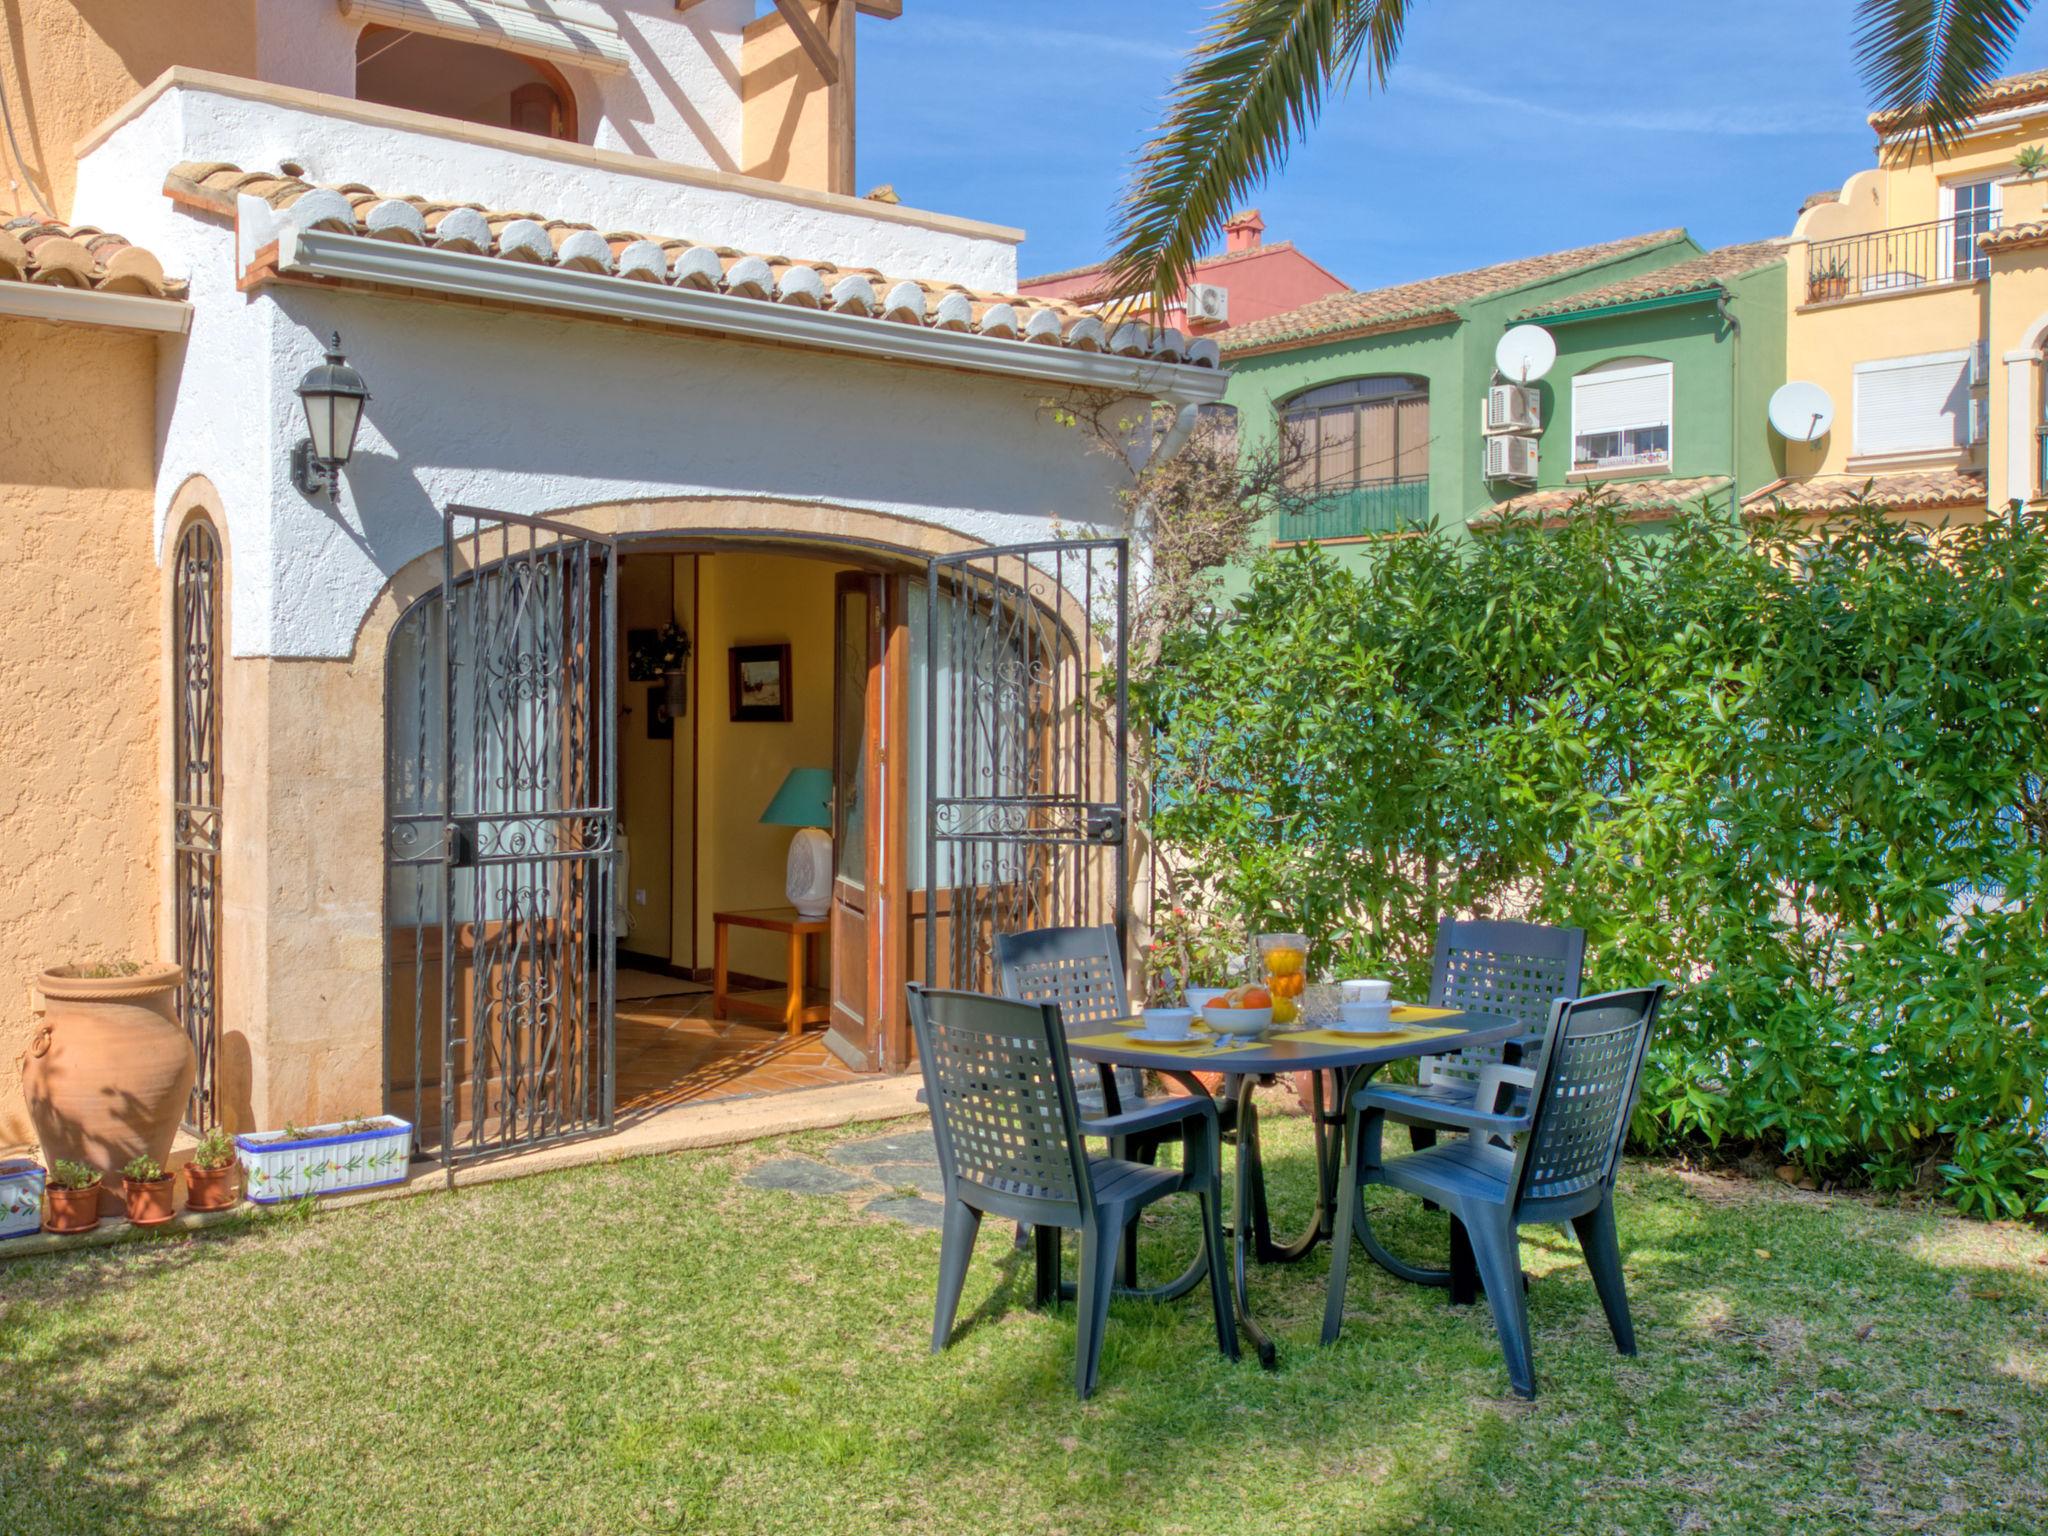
467, 81
562, 682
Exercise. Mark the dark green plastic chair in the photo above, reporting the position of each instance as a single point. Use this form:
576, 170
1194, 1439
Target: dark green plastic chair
1511, 970
1561, 1167
1010, 1143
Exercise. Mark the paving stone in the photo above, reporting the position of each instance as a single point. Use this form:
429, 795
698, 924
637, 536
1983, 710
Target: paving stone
903, 1147
911, 1212
923, 1177
801, 1175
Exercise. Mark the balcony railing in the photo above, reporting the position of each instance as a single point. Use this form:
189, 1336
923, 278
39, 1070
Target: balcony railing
1358, 511
1898, 260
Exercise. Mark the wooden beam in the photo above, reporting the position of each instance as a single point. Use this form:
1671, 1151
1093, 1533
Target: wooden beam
888, 10
814, 41
839, 97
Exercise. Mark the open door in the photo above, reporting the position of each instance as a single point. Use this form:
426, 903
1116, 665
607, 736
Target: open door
1023, 782
866, 1025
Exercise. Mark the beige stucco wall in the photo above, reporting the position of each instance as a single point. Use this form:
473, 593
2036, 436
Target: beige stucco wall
81, 666
70, 63
785, 110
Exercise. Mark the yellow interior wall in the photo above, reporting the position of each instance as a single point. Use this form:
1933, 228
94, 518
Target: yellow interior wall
81, 666
70, 63
748, 599
785, 127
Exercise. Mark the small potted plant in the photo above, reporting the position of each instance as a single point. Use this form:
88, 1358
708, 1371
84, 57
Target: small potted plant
359, 1153
1828, 281
149, 1191
2031, 161
210, 1176
21, 1197
73, 1197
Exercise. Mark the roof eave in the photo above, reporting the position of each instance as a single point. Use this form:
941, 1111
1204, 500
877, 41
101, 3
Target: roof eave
61, 305
320, 254
1346, 333
1707, 295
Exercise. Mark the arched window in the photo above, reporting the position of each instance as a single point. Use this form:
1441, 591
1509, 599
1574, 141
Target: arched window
1621, 416
196, 571
468, 81
1361, 432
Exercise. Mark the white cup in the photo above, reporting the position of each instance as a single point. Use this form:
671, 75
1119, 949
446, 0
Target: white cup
1167, 1024
1370, 1015
1367, 991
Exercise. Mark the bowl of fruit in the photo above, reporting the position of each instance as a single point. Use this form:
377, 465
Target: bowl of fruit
1246, 1011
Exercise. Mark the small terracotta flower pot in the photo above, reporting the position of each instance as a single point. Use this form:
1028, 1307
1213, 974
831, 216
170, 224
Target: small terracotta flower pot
211, 1189
71, 1210
151, 1202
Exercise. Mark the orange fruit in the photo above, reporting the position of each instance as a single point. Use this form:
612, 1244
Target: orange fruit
1284, 1011
1256, 997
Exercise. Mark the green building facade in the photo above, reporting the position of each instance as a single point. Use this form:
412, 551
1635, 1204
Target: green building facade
1387, 389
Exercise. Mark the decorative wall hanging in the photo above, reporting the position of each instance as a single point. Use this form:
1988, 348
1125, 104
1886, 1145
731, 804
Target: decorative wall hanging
760, 682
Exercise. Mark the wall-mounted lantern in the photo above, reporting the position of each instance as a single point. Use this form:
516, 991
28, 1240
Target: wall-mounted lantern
333, 395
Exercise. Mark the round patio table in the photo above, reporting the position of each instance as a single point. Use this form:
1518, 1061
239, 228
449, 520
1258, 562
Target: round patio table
1348, 1066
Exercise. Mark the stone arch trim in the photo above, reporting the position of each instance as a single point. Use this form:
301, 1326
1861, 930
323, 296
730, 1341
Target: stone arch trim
795, 526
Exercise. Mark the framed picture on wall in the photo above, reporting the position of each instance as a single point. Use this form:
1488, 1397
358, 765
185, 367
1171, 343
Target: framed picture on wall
661, 719
760, 682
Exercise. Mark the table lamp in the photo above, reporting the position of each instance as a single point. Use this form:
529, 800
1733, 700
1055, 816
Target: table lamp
805, 802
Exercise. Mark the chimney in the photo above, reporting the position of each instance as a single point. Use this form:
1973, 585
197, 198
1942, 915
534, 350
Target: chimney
1243, 232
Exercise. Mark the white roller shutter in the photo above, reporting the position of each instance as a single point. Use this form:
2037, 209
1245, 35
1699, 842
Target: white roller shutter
1617, 399
565, 31
1913, 404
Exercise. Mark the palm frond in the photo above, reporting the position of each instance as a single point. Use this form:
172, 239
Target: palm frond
1248, 92
1927, 61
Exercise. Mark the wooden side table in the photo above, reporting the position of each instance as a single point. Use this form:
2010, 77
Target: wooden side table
802, 931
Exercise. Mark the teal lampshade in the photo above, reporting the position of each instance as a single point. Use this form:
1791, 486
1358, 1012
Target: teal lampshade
805, 800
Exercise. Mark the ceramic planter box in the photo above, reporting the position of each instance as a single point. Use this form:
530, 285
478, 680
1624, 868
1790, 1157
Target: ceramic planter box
325, 1161
21, 1198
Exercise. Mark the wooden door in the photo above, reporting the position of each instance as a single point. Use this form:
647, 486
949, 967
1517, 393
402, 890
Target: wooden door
857, 822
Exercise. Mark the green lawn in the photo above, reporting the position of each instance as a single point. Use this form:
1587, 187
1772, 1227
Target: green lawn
651, 1345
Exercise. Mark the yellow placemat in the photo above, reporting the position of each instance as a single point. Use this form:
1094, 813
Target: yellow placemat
1399, 1035
1199, 1046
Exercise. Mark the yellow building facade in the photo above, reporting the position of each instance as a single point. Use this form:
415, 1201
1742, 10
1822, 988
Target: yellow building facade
1918, 302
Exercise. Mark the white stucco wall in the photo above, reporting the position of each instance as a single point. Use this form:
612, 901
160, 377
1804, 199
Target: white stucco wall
337, 141
526, 412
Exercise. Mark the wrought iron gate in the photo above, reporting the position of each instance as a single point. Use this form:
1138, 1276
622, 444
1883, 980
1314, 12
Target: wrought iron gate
195, 807
1025, 770
503, 837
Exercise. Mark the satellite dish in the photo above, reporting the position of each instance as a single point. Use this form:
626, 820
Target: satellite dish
1525, 353
1801, 412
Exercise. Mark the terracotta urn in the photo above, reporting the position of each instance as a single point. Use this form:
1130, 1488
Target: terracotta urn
211, 1189
109, 1071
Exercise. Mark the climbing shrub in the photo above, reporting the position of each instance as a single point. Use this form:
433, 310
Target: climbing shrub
1796, 770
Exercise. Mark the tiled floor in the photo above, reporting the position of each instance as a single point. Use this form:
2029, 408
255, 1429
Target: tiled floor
672, 1051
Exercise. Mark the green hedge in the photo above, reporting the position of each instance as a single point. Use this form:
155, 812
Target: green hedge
1797, 771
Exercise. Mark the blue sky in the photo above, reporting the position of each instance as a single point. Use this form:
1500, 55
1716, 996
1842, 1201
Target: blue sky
1508, 128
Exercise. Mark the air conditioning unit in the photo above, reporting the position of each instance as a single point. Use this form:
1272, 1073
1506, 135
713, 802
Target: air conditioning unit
1511, 458
1513, 408
1208, 303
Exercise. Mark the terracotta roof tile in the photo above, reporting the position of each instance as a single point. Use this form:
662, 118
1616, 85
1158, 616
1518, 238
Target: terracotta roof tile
1702, 274
36, 250
2016, 237
2007, 91
1363, 312
1633, 499
1918, 490
351, 208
